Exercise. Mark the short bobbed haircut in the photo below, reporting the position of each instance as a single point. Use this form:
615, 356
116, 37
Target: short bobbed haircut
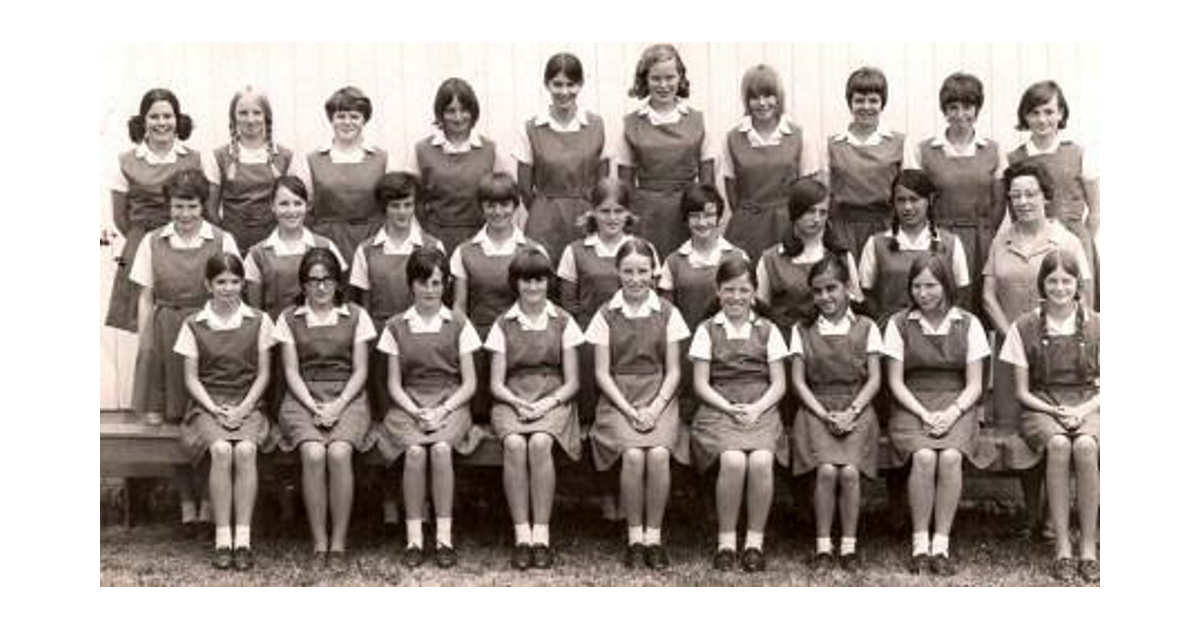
293, 184
867, 80
137, 122
831, 264
530, 264
1029, 168
423, 262
397, 185
804, 195
941, 271
1037, 95
348, 99
762, 80
189, 183
961, 87
498, 187
324, 257
223, 262
652, 55
696, 196
566, 64
451, 89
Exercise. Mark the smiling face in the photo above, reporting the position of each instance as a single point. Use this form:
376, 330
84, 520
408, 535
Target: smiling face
866, 107
927, 293
348, 125
290, 209
1061, 287
912, 209
830, 295
703, 224
400, 214
737, 297
961, 116
764, 108
811, 224
1026, 200
226, 289
532, 291
320, 286
663, 81
428, 293
1043, 120
563, 92
611, 218
160, 123
636, 272
186, 214
456, 119
250, 119
498, 214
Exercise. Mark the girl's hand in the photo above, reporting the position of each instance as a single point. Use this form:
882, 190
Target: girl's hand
434, 418
752, 413
647, 418
844, 421
739, 414
539, 409
331, 412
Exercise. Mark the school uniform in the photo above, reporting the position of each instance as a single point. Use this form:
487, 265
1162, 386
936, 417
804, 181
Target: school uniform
533, 350
450, 175
637, 339
325, 349
141, 174
1014, 265
740, 370
429, 352
665, 151
343, 193
860, 183
226, 353
692, 277
935, 361
835, 356
887, 258
762, 170
783, 283
174, 270
565, 160
275, 265
247, 177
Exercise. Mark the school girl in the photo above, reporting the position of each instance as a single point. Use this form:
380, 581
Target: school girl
636, 337
688, 274
1055, 351
226, 365
139, 205
764, 154
248, 167
534, 378
863, 161
739, 379
935, 372
324, 412
836, 375
560, 157
663, 146
431, 378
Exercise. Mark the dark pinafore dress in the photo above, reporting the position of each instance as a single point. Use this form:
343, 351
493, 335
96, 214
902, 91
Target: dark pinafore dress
564, 171
149, 210
890, 293
344, 207
281, 274
935, 372
763, 176
667, 159
326, 357
430, 373
638, 353
449, 181
860, 188
228, 366
791, 299
741, 373
533, 361
597, 281
245, 195
835, 368
1061, 372
178, 292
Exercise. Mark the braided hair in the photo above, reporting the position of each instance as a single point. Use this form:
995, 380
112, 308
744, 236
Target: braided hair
918, 182
235, 144
1053, 261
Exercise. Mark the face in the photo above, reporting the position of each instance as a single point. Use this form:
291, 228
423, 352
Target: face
456, 119
498, 214
1044, 119
912, 209
290, 209
348, 125
250, 118
663, 80
400, 213
429, 292
737, 297
636, 276
611, 218
866, 108
160, 123
764, 108
186, 214
829, 294
532, 291
1026, 200
812, 223
961, 116
320, 286
226, 288
1061, 287
703, 224
563, 91
927, 293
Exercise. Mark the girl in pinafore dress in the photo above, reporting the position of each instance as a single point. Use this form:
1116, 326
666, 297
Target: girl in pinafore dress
965, 168
663, 147
739, 381
138, 203
935, 371
249, 166
343, 173
431, 378
764, 154
836, 374
863, 161
324, 413
636, 337
227, 363
451, 163
169, 266
560, 157
534, 377
1055, 351
887, 256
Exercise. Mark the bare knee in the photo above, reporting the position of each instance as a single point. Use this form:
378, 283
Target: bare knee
312, 455
414, 457
515, 445
848, 476
761, 462
634, 458
950, 458
827, 473
541, 445
1059, 447
1085, 447
221, 453
925, 460
440, 451
733, 462
340, 453
245, 453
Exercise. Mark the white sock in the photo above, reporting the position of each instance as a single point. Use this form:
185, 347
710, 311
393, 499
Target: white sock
825, 545
920, 543
653, 536
224, 536
727, 540
523, 533
941, 545
241, 536
415, 539
754, 540
637, 535
443, 532
541, 534
391, 512
848, 545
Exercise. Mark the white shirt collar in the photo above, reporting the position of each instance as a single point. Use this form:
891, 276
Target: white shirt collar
919, 242
1066, 326
877, 137
504, 248
261, 155
313, 320
651, 304
207, 314
807, 255
418, 324
143, 152
940, 141
603, 250
774, 138
206, 231
1059, 139
406, 246
579, 121
439, 139
538, 322
351, 156
733, 331
952, 315
841, 327
680, 110
712, 258
274, 241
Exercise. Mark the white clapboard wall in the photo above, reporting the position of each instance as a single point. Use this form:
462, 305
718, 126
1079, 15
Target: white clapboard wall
401, 78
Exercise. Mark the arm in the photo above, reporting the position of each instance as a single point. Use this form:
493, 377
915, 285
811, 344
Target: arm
358, 377
291, 374
774, 393
570, 384
395, 386
807, 398
607, 385
258, 387
1087, 291
991, 304
708, 170
145, 306
460, 296
191, 381
901, 393
569, 292
500, 390
602, 169
733, 201
1032, 402
1091, 194
701, 386
525, 183
967, 397
254, 294
120, 212
213, 206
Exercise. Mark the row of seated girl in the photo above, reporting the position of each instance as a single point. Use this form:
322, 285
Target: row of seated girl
532, 384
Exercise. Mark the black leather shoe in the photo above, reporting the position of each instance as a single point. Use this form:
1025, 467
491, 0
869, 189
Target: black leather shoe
445, 556
724, 560
1089, 570
823, 562
753, 560
943, 565
222, 558
635, 555
919, 564
521, 557
542, 557
243, 559
413, 556
656, 557
850, 562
